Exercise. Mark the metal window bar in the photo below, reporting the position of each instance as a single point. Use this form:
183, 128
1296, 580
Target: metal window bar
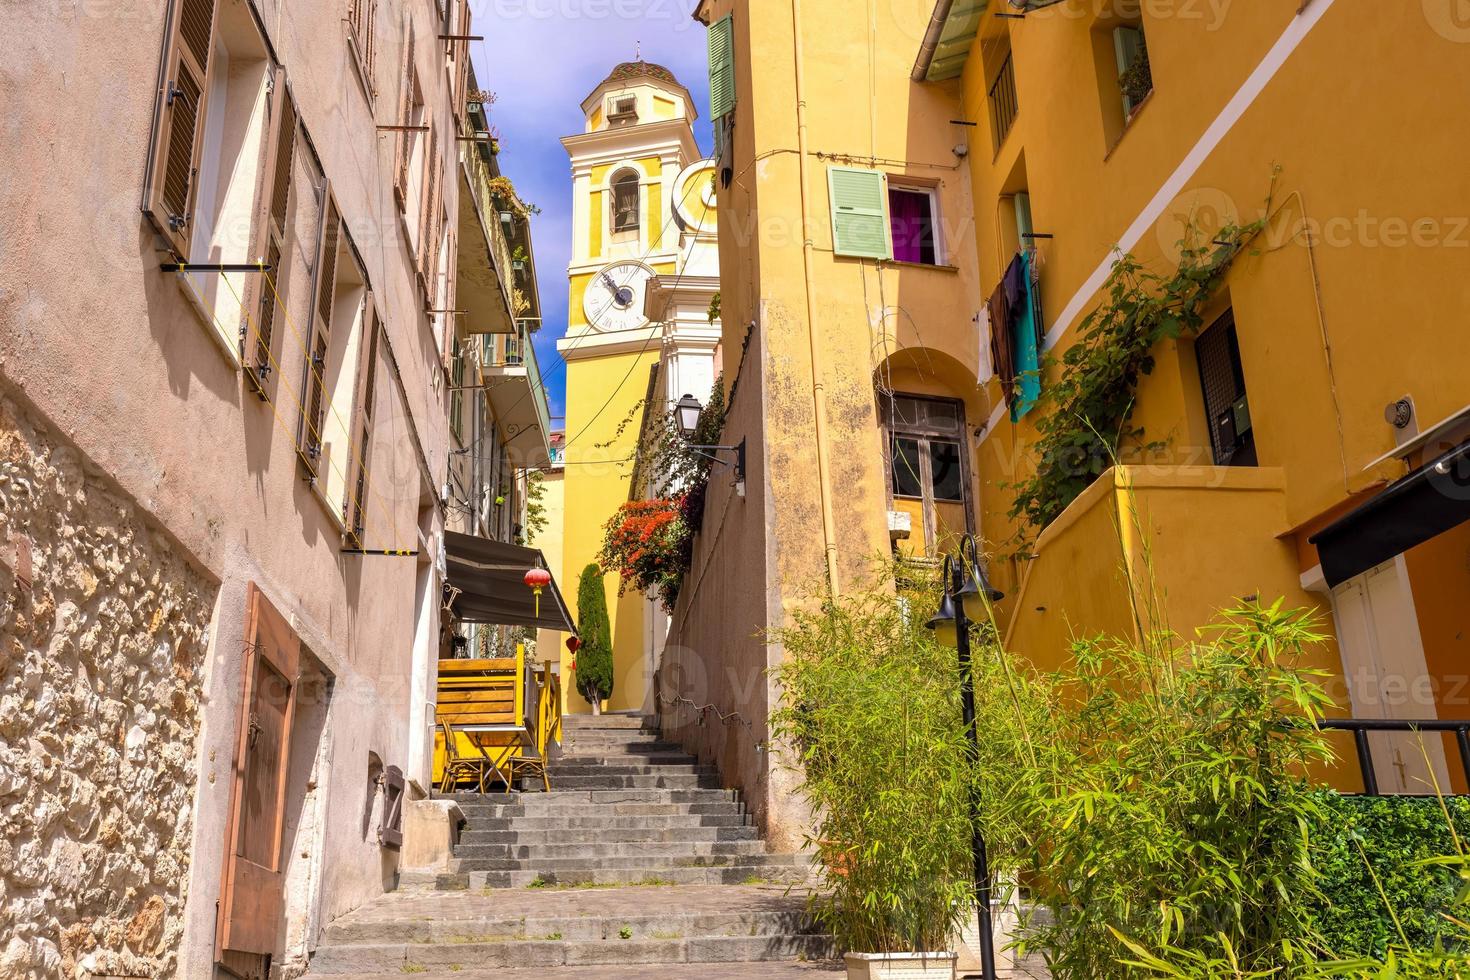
1003, 104
1360, 727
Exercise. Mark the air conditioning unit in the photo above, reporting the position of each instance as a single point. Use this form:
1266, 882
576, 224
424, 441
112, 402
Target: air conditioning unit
622, 109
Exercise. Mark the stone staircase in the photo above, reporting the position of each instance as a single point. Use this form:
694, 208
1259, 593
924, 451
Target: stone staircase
636, 856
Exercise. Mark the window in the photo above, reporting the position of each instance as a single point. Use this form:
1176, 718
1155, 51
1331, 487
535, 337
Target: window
217, 129
1222, 384
339, 376
457, 54
362, 18
911, 223
1003, 103
1135, 79
928, 470
625, 197
622, 109
721, 68
431, 220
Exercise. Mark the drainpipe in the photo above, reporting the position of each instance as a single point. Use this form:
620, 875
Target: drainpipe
931, 40
814, 345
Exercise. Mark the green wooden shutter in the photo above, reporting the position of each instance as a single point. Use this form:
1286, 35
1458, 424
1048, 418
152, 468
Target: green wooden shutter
859, 212
721, 68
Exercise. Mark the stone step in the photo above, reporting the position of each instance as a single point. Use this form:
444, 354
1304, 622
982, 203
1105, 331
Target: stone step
790, 920
487, 816
652, 822
595, 756
576, 795
583, 723
660, 781
644, 865
510, 857
450, 957
606, 835
564, 769
728, 874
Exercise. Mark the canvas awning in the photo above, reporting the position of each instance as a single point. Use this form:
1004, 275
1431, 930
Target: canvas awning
490, 578
1426, 503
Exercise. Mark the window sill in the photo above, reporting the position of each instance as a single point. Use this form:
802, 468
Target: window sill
1129, 124
936, 267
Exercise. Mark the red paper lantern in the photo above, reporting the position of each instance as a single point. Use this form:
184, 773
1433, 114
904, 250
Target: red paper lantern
574, 643
537, 579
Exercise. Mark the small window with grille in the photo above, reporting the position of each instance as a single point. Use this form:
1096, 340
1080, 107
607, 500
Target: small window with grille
1222, 383
622, 109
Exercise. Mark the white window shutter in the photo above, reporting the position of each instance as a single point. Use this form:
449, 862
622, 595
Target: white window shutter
859, 212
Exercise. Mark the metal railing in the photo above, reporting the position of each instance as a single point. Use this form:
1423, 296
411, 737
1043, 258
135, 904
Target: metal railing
479, 175
1361, 727
1003, 104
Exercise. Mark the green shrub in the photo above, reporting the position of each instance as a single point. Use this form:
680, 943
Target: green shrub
595, 656
1363, 838
871, 705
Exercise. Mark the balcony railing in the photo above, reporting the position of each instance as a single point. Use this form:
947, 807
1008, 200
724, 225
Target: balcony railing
1360, 727
1003, 105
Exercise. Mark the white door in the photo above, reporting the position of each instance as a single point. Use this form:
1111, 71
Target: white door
1383, 657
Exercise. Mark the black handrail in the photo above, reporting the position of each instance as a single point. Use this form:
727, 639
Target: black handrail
1360, 727
1003, 102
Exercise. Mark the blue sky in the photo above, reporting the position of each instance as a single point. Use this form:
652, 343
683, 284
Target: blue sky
541, 58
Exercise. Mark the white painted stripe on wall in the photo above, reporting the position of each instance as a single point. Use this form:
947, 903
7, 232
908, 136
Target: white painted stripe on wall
1295, 32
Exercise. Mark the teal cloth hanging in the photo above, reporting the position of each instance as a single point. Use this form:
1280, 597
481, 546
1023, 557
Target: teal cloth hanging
1023, 343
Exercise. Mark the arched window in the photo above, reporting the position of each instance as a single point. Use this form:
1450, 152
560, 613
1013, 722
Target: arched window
625, 204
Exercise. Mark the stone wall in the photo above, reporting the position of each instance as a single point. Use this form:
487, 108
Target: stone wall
103, 632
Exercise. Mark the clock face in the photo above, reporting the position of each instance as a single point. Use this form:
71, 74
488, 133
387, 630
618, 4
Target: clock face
614, 297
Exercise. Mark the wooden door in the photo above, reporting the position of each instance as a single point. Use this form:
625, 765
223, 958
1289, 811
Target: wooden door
1378, 634
253, 905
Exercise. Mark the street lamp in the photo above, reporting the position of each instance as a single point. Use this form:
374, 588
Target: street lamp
686, 416
967, 593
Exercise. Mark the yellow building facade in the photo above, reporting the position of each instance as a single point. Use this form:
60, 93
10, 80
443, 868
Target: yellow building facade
888, 170
629, 239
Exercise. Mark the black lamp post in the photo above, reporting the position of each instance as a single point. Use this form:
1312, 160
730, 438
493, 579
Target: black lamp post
686, 414
966, 594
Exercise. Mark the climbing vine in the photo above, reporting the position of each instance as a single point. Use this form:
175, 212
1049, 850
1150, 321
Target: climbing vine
1090, 404
650, 542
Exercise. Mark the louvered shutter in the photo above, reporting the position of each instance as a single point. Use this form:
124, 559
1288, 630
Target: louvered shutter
859, 212
178, 132
362, 16
462, 61
428, 208
721, 67
355, 509
264, 288
314, 402
404, 152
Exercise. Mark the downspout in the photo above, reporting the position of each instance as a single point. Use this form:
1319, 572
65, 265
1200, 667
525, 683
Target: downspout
930, 43
814, 346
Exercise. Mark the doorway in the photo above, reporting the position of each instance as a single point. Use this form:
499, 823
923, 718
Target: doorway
1383, 659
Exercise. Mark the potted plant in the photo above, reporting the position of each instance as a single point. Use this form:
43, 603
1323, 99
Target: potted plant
870, 708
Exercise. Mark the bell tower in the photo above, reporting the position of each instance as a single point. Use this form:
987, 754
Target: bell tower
644, 267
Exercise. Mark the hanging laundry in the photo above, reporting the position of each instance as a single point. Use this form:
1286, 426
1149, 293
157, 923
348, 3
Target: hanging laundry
1025, 334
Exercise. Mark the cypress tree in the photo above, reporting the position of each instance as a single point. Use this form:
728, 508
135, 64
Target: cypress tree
594, 658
